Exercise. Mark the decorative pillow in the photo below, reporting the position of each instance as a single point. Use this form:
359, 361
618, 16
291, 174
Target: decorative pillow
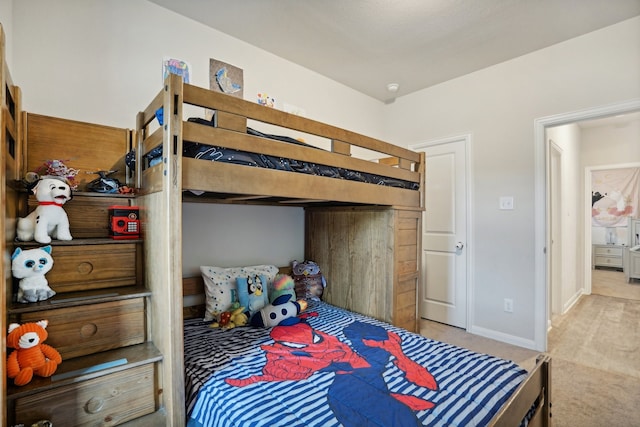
252, 292
220, 285
283, 284
309, 281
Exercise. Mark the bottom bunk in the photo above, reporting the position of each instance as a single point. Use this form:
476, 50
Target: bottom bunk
336, 367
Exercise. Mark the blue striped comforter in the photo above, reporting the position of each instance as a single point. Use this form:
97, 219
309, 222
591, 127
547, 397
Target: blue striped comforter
338, 368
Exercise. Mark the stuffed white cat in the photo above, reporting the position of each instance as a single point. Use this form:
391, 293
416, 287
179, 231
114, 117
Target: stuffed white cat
48, 220
30, 266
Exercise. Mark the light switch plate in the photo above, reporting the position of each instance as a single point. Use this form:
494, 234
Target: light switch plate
506, 203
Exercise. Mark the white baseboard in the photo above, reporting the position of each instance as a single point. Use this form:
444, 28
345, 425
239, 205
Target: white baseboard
572, 301
506, 338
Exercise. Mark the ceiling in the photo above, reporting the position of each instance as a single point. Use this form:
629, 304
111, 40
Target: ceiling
368, 44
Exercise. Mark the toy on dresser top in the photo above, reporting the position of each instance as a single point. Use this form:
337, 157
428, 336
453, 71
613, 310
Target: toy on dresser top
48, 220
30, 355
30, 266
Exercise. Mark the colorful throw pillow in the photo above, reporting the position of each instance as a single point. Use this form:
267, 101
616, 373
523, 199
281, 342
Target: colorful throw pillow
252, 292
283, 284
220, 285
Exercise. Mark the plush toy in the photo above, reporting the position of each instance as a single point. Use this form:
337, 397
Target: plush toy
280, 312
309, 281
252, 292
30, 266
283, 284
54, 168
31, 356
49, 219
231, 319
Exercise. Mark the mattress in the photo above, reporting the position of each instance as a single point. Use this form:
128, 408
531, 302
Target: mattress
245, 158
338, 368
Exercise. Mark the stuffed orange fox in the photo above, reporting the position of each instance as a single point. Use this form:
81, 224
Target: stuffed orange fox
30, 356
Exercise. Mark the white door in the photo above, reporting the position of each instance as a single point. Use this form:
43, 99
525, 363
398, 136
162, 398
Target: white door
443, 292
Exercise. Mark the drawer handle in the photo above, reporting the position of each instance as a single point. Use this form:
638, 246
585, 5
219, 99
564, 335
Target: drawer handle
88, 330
94, 405
85, 268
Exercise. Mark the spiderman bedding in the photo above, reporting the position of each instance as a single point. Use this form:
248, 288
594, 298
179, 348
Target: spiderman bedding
338, 368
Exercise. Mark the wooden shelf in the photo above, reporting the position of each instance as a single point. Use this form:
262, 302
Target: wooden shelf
80, 242
73, 299
86, 367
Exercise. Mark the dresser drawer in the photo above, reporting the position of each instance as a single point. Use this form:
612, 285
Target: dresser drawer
608, 261
88, 214
85, 267
608, 251
87, 329
104, 401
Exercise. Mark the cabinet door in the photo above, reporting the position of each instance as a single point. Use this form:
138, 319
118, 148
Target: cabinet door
370, 259
355, 252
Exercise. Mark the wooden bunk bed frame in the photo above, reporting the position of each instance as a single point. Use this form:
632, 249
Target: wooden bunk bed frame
163, 188
11, 140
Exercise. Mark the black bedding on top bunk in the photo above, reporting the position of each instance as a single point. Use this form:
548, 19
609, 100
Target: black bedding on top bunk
228, 155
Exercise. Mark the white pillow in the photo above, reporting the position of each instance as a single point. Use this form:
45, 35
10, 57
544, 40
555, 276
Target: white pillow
220, 285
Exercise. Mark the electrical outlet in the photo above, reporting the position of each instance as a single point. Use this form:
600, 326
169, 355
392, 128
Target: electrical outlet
508, 305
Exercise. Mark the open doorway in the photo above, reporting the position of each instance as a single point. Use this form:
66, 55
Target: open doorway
615, 194
543, 249
576, 160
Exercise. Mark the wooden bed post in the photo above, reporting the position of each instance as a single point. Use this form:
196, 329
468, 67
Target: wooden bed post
161, 212
3, 248
10, 170
546, 405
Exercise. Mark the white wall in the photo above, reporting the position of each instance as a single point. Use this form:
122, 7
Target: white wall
6, 19
498, 106
101, 61
611, 144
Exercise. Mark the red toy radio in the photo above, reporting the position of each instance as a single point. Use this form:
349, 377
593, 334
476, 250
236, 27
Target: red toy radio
124, 222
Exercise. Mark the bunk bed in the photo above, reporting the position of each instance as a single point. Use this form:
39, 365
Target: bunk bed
338, 211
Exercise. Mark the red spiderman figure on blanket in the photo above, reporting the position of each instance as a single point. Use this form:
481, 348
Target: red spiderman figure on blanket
299, 351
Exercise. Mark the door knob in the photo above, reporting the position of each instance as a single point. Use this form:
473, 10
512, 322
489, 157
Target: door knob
459, 246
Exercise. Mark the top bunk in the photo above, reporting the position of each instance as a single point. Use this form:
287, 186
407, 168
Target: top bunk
224, 159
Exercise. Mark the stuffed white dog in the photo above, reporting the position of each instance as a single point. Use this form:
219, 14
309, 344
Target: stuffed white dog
49, 219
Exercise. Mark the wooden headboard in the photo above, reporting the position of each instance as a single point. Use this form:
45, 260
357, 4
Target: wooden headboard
193, 295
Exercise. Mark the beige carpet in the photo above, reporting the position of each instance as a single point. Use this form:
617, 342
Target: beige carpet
595, 351
599, 332
611, 283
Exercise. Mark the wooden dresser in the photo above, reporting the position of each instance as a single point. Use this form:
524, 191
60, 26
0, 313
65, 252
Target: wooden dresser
370, 258
97, 321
